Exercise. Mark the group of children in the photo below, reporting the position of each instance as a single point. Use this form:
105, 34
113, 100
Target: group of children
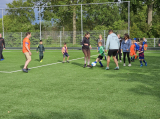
41, 50
136, 47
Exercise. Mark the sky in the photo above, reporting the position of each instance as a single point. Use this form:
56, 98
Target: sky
3, 5
4, 2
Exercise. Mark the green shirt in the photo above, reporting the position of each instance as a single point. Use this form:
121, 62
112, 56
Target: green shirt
40, 48
101, 51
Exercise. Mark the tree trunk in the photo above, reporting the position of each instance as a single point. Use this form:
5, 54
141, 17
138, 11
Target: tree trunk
150, 10
74, 25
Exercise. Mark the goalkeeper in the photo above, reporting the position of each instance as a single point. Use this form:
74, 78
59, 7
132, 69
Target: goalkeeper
101, 54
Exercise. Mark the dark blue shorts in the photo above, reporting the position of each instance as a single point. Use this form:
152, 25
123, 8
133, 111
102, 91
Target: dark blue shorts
141, 57
65, 55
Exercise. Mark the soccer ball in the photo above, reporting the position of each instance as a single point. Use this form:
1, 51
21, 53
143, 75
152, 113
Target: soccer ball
93, 64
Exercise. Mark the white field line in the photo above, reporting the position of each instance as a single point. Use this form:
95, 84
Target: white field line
43, 65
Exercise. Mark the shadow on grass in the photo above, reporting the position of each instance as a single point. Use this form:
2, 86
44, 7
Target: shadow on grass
36, 60
147, 76
78, 64
127, 115
53, 115
21, 66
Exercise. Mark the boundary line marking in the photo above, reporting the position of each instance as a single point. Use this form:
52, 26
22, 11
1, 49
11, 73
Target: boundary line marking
42, 65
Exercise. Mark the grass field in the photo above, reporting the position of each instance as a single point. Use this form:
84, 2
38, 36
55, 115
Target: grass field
69, 91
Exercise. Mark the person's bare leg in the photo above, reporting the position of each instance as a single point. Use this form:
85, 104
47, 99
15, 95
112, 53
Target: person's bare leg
115, 60
26, 64
64, 59
88, 54
108, 61
67, 58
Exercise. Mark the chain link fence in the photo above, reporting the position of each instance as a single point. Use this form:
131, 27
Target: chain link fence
58, 38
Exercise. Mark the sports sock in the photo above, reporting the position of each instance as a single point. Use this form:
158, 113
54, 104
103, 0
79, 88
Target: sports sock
144, 61
101, 63
95, 62
141, 62
131, 58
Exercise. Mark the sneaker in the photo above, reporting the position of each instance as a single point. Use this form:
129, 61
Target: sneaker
28, 69
117, 68
107, 68
146, 64
41, 61
2, 59
120, 60
25, 70
84, 66
129, 65
141, 65
68, 61
89, 66
101, 66
63, 62
124, 64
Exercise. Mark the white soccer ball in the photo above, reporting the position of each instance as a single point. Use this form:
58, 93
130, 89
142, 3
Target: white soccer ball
93, 64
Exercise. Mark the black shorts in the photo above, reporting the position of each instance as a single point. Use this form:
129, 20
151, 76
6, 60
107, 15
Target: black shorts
100, 57
65, 55
112, 52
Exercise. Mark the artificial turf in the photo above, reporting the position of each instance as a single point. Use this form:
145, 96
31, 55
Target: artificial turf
69, 91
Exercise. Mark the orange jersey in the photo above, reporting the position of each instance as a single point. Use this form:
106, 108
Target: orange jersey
25, 41
132, 50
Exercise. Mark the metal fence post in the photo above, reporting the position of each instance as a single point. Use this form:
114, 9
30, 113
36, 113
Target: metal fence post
40, 21
21, 39
154, 42
104, 37
2, 24
81, 23
60, 37
128, 17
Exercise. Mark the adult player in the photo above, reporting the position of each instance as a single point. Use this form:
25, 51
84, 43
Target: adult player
26, 51
2, 43
113, 44
86, 49
119, 51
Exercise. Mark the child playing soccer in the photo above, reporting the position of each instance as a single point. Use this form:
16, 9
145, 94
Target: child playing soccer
41, 50
132, 51
136, 48
141, 54
145, 44
65, 52
101, 54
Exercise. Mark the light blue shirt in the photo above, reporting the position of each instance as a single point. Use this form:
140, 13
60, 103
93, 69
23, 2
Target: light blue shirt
112, 42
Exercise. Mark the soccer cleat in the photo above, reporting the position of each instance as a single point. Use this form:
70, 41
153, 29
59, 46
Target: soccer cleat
25, 70
117, 68
1, 59
129, 65
68, 61
84, 66
141, 65
124, 64
89, 66
146, 64
41, 60
107, 68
